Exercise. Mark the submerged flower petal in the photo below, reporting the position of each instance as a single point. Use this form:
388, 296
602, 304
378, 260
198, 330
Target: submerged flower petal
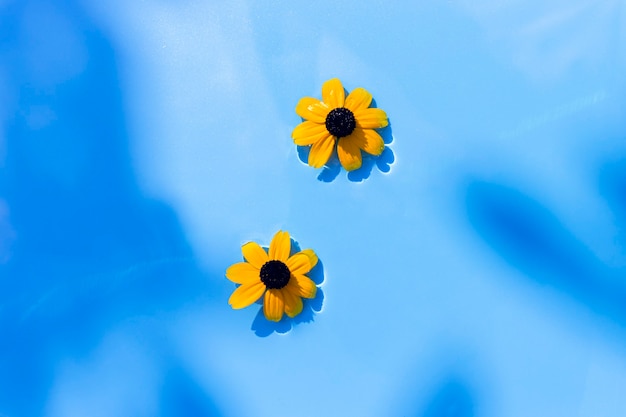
254, 254
369, 140
307, 133
246, 295
358, 99
273, 305
371, 118
242, 273
293, 303
312, 109
302, 285
299, 263
280, 247
321, 151
349, 153
333, 93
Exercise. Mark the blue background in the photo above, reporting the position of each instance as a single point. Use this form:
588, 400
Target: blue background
477, 268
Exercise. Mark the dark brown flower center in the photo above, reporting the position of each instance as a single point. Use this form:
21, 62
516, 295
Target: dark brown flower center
275, 274
340, 122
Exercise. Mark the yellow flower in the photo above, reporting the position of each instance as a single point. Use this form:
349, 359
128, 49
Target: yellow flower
348, 122
276, 274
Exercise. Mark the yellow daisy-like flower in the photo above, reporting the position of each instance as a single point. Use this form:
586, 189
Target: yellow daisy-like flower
347, 122
282, 278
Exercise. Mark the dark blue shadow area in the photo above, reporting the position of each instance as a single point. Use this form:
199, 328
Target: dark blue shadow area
612, 186
532, 239
453, 398
263, 327
89, 249
182, 396
333, 168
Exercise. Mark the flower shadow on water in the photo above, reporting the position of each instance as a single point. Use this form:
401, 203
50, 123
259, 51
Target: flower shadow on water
333, 168
263, 327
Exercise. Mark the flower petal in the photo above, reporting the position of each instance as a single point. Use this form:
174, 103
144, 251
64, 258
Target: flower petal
371, 118
349, 153
358, 99
369, 140
302, 286
321, 151
293, 303
273, 305
307, 133
254, 254
333, 93
299, 263
312, 256
312, 109
280, 247
246, 294
242, 273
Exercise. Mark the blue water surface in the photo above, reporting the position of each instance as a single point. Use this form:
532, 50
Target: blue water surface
477, 268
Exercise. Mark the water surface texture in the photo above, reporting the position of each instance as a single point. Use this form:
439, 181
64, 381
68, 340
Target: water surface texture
476, 269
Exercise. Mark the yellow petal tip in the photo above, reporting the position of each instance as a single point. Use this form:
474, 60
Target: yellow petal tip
313, 259
352, 167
